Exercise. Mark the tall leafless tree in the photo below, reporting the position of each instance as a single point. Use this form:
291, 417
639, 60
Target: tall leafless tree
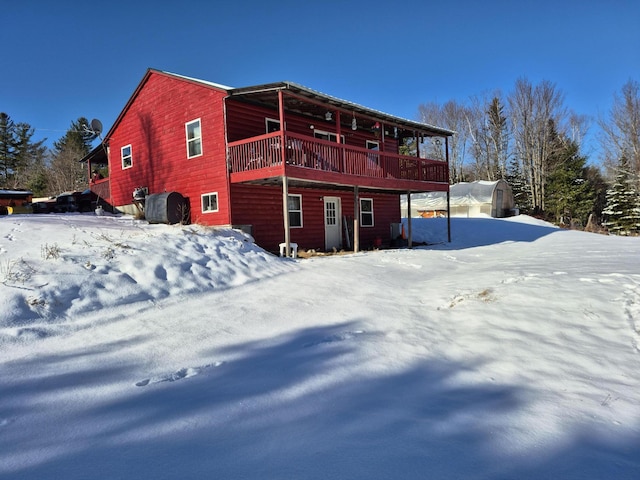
453, 116
537, 116
489, 136
620, 130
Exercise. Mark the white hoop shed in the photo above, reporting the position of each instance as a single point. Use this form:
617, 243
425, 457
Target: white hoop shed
473, 199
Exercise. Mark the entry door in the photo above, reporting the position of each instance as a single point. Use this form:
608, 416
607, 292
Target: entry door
332, 223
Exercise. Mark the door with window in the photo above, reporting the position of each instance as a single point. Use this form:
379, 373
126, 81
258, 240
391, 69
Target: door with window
332, 223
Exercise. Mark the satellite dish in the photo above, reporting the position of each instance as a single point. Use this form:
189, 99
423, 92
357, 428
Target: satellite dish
96, 126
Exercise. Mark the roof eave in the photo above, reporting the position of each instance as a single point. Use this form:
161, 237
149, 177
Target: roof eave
342, 104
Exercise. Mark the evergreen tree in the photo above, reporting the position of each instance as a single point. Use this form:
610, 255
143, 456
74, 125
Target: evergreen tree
570, 196
622, 213
18, 153
7, 147
78, 138
519, 186
499, 140
66, 173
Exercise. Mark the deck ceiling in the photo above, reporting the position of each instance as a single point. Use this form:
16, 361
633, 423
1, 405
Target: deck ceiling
300, 183
315, 105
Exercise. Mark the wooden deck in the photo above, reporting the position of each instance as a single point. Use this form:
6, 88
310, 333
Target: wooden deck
320, 161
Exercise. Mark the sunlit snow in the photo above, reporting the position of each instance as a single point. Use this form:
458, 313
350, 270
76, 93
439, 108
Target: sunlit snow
136, 351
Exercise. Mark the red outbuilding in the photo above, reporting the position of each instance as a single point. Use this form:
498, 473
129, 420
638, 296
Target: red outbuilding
287, 163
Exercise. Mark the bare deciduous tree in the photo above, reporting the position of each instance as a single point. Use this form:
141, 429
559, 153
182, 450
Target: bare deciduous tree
537, 115
620, 130
489, 135
66, 173
452, 116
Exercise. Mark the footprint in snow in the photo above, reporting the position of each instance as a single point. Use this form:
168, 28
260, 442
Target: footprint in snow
177, 375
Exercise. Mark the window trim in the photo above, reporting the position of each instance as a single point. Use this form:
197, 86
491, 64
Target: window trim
210, 194
268, 120
123, 156
295, 211
362, 213
333, 137
194, 139
369, 145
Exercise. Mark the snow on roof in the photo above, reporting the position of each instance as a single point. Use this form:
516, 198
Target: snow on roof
211, 84
15, 192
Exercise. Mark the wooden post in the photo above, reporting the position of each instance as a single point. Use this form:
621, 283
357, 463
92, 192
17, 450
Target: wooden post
356, 220
446, 155
339, 139
409, 227
283, 147
285, 212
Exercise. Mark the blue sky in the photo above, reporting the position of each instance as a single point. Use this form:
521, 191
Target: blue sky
67, 59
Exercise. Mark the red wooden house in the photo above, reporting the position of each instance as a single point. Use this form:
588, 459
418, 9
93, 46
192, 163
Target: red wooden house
292, 163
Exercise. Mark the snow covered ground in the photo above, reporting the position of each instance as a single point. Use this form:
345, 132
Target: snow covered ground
135, 351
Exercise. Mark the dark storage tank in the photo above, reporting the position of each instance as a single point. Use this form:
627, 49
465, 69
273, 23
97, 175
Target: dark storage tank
167, 207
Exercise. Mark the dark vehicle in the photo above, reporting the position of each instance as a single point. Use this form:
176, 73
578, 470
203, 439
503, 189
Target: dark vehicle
76, 202
44, 206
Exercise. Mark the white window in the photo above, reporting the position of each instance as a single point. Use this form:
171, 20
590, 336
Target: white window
194, 138
332, 137
209, 202
372, 145
366, 212
272, 125
295, 211
127, 158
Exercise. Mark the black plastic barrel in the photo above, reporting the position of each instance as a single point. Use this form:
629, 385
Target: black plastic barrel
167, 207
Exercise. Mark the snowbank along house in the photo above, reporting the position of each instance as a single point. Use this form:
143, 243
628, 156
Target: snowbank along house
285, 162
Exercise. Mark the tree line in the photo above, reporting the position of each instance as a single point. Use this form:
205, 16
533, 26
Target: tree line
29, 164
529, 138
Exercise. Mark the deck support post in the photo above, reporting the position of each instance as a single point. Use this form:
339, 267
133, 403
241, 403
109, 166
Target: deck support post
356, 220
283, 147
409, 227
285, 212
446, 154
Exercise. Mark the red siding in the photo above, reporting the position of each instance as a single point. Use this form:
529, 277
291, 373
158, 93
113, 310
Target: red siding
261, 207
153, 123
154, 126
247, 120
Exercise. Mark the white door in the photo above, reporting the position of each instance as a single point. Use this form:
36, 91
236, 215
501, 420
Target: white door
332, 223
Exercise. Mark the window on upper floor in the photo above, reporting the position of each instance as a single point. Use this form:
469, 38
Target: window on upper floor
209, 202
332, 137
272, 125
194, 138
366, 212
372, 145
126, 156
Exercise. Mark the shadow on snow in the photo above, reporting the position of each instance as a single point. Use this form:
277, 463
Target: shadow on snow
294, 406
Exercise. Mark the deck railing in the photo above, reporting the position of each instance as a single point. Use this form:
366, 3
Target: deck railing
101, 188
302, 151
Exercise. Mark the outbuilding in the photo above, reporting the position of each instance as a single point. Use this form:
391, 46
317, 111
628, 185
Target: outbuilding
467, 199
15, 201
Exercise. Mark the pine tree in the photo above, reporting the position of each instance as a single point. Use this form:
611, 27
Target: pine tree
499, 140
78, 138
570, 195
519, 187
622, 213
7, 147
18, 153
